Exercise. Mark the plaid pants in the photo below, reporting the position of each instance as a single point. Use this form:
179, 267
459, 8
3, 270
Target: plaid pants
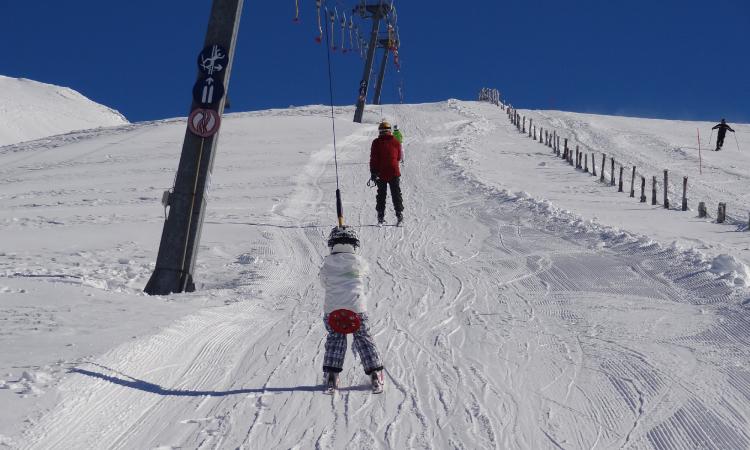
362, 344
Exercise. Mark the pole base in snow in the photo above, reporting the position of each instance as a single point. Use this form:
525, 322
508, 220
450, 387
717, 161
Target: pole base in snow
169, 281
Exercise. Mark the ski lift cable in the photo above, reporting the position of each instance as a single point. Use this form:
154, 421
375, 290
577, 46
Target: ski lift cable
339, 208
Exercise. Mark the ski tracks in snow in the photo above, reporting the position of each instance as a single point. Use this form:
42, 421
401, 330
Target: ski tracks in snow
501, 326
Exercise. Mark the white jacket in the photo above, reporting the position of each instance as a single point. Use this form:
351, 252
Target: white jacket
342, 276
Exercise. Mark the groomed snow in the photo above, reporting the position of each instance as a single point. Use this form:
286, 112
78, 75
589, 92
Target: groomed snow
32, 110
523, 305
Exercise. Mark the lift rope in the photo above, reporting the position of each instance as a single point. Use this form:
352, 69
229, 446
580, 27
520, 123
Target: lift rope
332, 30
296, 11
343, 32
339, 207
319, 37
351, 29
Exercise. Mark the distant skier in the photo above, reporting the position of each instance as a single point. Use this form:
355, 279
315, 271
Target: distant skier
385, 156
342, 277
397, 134
400, 138
723, 127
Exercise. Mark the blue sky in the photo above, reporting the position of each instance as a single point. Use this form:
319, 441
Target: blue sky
672, 59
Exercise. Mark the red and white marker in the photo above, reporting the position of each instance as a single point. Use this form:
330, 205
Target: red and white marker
204, 122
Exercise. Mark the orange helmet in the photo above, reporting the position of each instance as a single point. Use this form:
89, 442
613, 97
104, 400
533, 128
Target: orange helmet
384, 126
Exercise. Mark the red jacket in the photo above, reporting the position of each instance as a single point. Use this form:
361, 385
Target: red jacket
385, 155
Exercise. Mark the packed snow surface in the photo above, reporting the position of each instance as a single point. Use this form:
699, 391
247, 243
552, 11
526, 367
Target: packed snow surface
524, 304
32, 110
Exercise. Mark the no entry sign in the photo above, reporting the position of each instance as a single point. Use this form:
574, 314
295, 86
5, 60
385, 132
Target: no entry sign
204, 122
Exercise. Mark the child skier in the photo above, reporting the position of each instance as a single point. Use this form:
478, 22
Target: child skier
342, 277
398, 135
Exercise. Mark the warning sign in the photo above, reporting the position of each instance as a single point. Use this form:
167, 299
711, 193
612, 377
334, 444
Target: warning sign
212, 60
204, 122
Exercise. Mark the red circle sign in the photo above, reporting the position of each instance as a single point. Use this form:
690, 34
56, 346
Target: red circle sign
344, 321
204, 122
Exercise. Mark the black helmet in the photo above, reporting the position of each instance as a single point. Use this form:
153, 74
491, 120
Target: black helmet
343, 235
723, 120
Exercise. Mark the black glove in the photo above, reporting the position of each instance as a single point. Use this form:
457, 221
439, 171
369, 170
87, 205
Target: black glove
373, 177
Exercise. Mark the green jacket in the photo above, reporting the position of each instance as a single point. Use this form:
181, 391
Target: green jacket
399, 137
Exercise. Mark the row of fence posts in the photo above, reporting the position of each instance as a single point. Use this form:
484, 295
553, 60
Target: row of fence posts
490, 95
581, 161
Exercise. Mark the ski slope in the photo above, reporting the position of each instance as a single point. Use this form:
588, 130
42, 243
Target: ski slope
509, 315
32, 110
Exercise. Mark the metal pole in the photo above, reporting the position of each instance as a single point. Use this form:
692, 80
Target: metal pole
364, 84
381, 76
187, 203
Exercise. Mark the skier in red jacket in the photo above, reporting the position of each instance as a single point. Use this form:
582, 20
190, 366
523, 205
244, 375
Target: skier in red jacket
385, 156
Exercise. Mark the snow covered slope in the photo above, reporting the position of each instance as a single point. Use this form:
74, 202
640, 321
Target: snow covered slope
31, 110
507, 318
652, 146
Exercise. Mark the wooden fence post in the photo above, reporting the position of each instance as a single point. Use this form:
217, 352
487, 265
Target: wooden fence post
593, 164
535, 133
643, 189
632, 184
523, 130
666, 187
702, 212
578, 158
540, 134
721, 217
604, 159
586, 162
684, 193
565, 151
653, 190
530, 122
619, 189
612, 172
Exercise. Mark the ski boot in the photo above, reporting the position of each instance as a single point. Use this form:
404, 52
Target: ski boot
332, 382
378, 381
400, 219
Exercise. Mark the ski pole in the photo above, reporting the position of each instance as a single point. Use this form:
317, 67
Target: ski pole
709, 138
737, 141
